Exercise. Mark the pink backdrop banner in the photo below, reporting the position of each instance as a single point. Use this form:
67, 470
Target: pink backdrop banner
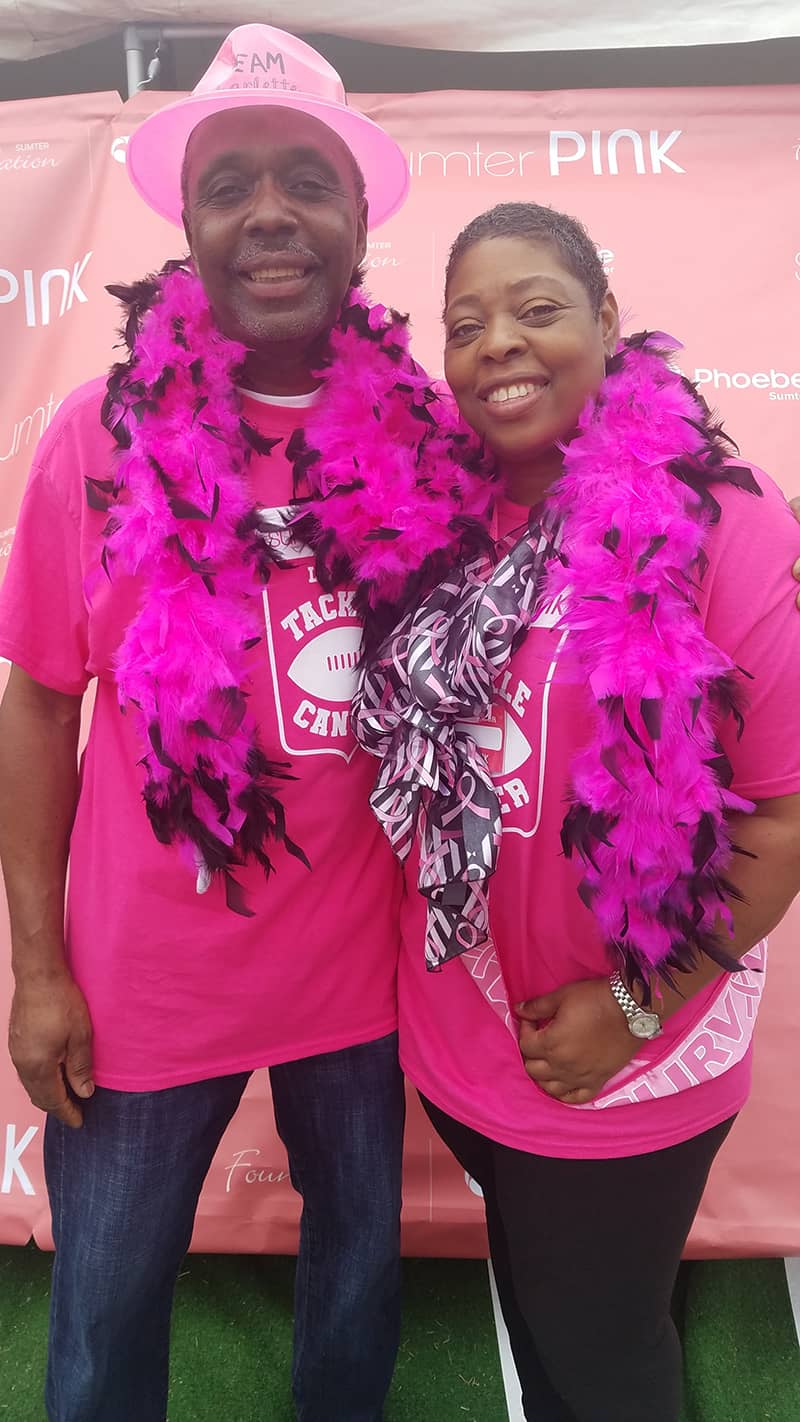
694, 199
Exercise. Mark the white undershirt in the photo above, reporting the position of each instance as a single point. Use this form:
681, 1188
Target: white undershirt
291, 402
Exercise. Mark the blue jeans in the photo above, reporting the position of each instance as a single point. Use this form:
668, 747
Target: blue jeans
124, 1190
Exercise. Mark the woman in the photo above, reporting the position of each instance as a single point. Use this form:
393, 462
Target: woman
576, 703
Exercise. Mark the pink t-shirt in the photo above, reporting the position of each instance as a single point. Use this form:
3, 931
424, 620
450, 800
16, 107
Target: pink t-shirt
458, 1038
179, 987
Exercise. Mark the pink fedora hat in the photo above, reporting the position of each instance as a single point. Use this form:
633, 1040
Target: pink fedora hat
261, 65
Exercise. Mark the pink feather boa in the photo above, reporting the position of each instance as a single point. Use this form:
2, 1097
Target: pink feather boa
391, 495
650, 791
400, 487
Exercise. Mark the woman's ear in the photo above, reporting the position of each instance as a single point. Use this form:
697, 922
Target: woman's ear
608, 317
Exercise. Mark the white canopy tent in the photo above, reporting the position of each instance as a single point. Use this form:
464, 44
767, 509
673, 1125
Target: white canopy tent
30, 28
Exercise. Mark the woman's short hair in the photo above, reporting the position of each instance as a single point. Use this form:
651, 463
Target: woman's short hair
537, 224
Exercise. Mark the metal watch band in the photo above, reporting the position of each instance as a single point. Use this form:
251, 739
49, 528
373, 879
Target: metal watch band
625, 999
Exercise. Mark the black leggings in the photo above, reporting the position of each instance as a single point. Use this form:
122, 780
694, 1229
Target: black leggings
585, 1254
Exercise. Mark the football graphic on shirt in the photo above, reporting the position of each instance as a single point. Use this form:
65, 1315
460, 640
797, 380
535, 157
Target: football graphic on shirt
516, 746
502, 741
326, 666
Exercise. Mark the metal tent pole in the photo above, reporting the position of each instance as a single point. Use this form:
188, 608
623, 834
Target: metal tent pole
157, 32
136, 38
133, 42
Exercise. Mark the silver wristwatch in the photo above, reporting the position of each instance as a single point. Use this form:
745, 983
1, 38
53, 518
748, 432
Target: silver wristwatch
642, 1024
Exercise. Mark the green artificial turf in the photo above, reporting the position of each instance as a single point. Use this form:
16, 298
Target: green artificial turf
448, 1369
740, 1345
232, 1342
24, 1288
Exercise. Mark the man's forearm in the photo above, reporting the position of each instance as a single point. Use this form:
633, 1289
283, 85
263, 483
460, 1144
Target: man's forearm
767, 883
39, 731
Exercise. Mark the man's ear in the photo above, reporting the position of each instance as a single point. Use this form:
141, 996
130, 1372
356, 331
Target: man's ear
363, 227
359, 271
187, 230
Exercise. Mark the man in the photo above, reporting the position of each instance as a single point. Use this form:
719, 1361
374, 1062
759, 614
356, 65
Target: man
141, 1021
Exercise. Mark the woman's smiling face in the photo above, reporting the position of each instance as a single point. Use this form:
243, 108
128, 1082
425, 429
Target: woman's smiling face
524, 348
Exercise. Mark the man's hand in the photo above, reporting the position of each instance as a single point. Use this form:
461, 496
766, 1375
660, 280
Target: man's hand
583, 1043
50, 1040
794, 505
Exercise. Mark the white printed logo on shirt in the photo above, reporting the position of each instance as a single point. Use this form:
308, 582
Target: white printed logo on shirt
313, 641
514, 737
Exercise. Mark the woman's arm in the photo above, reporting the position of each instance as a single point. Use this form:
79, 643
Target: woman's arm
794, 505
768, 883
586, 1040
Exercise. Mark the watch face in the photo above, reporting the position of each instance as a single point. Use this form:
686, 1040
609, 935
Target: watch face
645, 1025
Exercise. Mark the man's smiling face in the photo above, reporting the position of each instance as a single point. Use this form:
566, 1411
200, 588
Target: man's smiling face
276, 225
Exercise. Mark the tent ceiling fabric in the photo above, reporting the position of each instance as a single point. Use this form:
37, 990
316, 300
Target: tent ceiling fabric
35, 27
